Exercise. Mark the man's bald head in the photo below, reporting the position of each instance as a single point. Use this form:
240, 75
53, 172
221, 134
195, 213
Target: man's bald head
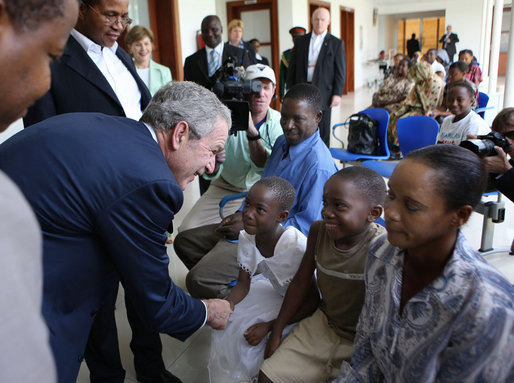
320, 20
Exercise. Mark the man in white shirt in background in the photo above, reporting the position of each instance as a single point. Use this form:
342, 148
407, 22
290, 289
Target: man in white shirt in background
96, 75
319, 58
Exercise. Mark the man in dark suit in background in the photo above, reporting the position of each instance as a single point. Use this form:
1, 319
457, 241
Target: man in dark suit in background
201, 65
413, 46
96, 75
104, 190
319, 58
449, 40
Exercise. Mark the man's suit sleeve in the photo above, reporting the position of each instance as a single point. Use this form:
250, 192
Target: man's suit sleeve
132, 231
187, 70
41, 110
339, 70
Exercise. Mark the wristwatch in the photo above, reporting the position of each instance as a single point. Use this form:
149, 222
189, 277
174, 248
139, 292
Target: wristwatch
254, 138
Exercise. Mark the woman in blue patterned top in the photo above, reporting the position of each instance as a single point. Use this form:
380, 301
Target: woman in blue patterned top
435, 310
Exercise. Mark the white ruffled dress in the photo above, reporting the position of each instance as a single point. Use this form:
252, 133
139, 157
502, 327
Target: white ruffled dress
232, 358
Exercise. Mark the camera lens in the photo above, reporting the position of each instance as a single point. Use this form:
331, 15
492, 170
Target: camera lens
482, 148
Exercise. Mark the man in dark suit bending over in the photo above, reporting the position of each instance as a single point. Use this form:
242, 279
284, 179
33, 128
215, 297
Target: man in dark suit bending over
200, 66
104, 190
96, 75
319, 58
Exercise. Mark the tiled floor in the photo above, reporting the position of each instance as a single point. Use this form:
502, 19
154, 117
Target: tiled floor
188, 360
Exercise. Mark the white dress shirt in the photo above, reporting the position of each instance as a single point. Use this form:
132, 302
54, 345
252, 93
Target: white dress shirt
219, 51
115, 72
314, 49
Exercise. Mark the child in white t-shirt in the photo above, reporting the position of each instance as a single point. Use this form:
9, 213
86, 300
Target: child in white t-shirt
463, 120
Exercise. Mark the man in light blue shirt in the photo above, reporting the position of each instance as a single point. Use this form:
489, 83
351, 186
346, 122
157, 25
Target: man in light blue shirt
300, 157
242, 163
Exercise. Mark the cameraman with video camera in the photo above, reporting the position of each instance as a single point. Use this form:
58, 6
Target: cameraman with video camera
246, 151
498, 164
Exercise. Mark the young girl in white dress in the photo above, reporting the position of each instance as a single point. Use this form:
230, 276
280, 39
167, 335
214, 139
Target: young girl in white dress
269, 256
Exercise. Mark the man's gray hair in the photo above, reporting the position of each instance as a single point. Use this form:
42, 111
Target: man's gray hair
186, 101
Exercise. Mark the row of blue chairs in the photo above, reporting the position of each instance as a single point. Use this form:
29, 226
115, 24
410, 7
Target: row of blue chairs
413, 132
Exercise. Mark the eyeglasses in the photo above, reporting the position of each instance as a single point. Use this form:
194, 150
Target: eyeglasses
110, 20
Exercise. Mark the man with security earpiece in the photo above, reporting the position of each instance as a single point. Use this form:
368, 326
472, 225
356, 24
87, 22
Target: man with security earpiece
245, 156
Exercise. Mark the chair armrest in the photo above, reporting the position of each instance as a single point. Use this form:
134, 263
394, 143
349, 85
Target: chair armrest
227, 199
334, 131
478, 110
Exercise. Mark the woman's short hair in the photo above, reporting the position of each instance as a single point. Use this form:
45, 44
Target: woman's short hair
138, 33
186, 101
461, 174
236, 23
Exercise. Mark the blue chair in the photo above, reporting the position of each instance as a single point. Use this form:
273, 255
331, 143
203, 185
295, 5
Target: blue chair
222, 204
227, 199
483, 100
382, 116
414, 132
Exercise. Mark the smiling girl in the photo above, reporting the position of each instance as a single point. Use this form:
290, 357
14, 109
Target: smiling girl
268, 255
463, 120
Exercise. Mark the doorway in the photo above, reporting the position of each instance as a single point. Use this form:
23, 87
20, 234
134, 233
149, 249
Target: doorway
261, 22
428, 29
164, 22
348, 36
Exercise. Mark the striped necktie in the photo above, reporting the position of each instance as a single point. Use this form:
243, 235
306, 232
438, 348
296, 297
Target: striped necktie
213, 58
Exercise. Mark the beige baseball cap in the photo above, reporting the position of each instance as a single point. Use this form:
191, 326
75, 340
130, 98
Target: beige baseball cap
256, 71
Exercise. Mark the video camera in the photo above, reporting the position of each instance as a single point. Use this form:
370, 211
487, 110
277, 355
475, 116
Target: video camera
230, 87
483, 146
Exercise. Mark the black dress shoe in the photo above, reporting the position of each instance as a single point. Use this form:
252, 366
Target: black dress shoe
163, 377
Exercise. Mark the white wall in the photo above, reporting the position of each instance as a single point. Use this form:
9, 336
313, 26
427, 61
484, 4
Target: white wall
191, 14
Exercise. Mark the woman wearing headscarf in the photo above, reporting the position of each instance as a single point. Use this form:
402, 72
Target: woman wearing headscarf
395, 89
425, 96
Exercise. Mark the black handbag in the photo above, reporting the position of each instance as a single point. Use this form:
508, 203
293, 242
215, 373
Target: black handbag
363, 135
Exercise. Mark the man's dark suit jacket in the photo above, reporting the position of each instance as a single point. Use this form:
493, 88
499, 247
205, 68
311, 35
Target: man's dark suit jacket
196, 69
412, 47
79, 86
450, 47
104, 197
330, 71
